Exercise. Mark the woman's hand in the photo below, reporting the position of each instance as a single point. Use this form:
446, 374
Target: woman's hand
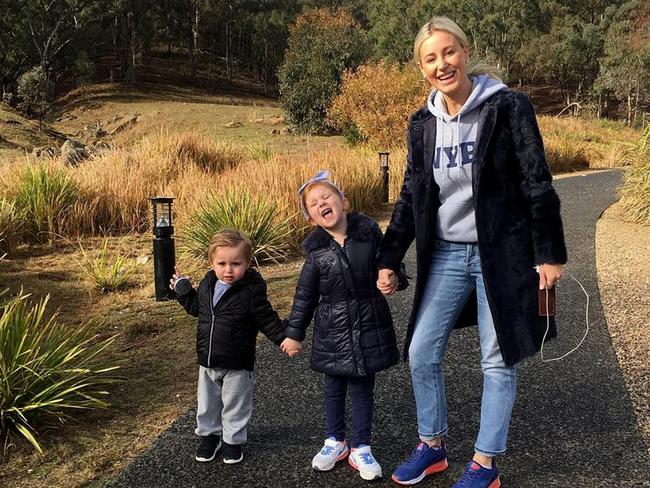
387, 281
549, 274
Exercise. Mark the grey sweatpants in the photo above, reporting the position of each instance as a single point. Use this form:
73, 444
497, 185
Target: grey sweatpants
224, 403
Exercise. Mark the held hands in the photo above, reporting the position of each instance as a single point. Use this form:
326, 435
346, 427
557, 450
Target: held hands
387, 281
291, 347
549, 274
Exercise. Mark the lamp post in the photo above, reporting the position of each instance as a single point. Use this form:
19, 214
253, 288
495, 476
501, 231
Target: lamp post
163, 246
383, 167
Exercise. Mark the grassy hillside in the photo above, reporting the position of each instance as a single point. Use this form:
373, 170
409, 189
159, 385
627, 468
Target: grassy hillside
126, 113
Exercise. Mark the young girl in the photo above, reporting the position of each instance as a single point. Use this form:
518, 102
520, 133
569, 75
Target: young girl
353, 329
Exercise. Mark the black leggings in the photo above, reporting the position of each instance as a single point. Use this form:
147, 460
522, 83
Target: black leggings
362, 396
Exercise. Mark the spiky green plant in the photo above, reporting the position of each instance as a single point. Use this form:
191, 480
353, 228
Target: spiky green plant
48, 372
256, 216
44, 195
108, 271
259, 151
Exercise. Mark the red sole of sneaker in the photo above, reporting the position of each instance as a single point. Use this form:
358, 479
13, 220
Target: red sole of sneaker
434, 468
437, 467
495, 484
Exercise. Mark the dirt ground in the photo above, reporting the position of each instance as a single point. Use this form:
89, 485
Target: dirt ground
622, 257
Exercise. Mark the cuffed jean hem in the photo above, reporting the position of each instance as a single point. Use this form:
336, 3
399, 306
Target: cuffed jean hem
487, 453
430, 437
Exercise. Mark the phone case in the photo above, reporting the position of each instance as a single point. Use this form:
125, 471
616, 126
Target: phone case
543, 301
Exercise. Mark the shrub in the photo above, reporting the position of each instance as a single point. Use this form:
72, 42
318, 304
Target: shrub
378, 112
322, 44
108, 271
44, 195
49, 371
255, 216
33, 91
11, 225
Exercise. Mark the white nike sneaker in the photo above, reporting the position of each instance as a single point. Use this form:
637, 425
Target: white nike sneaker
362, 460
331, 453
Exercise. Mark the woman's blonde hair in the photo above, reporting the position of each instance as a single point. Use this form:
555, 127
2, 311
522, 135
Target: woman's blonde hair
447, 25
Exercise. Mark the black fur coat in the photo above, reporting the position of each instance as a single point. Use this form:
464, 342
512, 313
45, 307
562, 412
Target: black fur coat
353, 327
517, 219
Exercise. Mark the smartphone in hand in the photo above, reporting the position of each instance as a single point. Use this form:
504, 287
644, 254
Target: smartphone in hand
547, 296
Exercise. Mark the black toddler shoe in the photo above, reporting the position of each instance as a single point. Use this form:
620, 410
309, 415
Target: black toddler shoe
208, 448
232, 454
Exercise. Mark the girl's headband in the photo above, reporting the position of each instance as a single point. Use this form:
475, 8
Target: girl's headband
321, 176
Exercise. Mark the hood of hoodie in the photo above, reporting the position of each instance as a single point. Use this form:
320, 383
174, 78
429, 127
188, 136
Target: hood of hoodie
456, 137
483, 87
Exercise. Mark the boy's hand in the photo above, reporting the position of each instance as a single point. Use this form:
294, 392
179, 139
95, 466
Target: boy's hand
387, 281
175, 277
291, 347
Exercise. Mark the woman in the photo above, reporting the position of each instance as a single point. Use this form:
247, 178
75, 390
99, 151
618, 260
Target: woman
477, 198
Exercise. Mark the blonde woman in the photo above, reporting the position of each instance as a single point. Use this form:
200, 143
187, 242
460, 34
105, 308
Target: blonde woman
478, 200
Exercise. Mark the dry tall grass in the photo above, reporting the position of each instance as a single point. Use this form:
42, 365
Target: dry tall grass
114, 187
635, 192
573, 143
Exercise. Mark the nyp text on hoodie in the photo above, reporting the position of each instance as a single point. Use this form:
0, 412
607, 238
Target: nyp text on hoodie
453, 158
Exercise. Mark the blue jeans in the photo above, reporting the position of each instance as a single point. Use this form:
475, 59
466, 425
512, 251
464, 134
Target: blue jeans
456, 271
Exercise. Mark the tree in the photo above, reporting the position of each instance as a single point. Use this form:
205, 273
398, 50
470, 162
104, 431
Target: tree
392, 30
322, 44
625, 65
568, 57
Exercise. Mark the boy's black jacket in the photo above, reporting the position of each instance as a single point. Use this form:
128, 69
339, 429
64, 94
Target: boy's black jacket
353, 327
226, 334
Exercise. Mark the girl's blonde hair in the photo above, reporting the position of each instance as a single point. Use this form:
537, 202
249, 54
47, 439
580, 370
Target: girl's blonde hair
447, 25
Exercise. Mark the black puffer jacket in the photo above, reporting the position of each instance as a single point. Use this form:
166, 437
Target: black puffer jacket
353, 328
226, 334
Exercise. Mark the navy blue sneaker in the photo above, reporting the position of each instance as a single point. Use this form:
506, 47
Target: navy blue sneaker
423, 461
476, 476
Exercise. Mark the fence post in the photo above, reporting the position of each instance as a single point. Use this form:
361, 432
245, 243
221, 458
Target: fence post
383, 167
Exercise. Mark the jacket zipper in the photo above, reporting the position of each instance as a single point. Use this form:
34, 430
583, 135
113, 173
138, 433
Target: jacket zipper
211, 331
212, 311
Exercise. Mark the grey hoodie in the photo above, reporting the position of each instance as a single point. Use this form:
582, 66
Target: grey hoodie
457, 135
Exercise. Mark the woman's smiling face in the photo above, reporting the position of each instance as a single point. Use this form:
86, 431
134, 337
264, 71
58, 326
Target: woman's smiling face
443, 62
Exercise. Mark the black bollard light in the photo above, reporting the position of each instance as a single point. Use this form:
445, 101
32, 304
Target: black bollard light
383, 166
163, 247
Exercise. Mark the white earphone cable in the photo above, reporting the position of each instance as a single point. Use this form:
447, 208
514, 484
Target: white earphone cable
548, 325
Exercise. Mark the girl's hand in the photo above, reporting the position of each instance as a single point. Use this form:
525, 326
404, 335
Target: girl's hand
549, 274
387, 281
291, 347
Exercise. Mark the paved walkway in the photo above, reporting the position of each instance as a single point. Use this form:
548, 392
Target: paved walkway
573, 425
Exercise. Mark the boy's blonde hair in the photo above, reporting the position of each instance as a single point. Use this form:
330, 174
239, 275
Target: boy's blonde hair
230, 238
